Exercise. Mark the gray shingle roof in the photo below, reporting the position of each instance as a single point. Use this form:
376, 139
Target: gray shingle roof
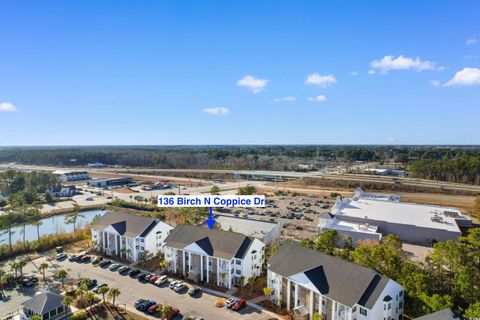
125, 224
44, 302
217, 243
340, 280
445, 314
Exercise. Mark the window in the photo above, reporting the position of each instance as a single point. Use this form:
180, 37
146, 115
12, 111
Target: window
239, 262
354, 309
363, 312
400, 305
401, 294
384, 306
389, 306
238, 272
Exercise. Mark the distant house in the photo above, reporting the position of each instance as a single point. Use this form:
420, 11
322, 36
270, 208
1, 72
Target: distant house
110, 182
47, 305
202, 254
68, 176
129, 236
308, 281
67, 191
445, 314
96, 165
266, 231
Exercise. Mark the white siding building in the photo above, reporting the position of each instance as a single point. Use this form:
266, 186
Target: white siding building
213, 256
265, 231
68, 176
129, 236
308, 281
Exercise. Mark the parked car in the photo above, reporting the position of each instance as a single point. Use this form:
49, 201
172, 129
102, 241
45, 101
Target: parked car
139, 302
173, 284
240, 304
230, 302
86, 259
97, 260
28, 281
161, 280
114, 266
61, 256
194, 291
172, 314
133, 273
179, 287
141, 276
194, 318
149, 276
123, 270
97, 287
153, 279
105, 263
74, 258
153, 309
144, 305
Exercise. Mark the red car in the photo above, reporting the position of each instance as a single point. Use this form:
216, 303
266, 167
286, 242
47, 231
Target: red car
153, 279
172, 314
240, 304
153, 309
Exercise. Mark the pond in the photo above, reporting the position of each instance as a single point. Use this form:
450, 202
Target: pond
51, 225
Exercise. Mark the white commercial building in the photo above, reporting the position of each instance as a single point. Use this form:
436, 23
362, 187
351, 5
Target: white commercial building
67, 176
129, 236
308, 281
266, 231
213, 256
411, 222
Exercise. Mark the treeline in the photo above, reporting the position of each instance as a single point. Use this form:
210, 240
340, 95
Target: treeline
458, 164
464, 169
24, 187
449, 278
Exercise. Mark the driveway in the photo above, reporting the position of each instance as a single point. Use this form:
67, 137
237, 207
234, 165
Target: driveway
132, 289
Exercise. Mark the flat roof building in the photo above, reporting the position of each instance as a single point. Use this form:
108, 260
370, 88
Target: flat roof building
67, 176
266, 231
110, 182
411, 222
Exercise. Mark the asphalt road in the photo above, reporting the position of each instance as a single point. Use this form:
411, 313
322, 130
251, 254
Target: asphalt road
132, 289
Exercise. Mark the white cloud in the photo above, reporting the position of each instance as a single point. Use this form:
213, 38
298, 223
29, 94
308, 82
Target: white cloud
319, 98
471, 41
319, 80
401, 62
287, 99
7, 107
253, 84
217, 111
391, 139
465, 77
371, 72
470, 56
354, 73
434, 83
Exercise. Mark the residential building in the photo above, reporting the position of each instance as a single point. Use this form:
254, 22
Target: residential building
96, 165
66, 191
266, 231
68, 176
214, 256
110, 182
307, 281
47, 305
411, 222
445, 314
129, 236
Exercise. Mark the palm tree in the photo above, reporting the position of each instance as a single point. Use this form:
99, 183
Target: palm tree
37, 224
81, 289
61, 275
67, 301
113, 293
103, 290
90, 296
251, 281
42, 267
14, 268
21, 265
2, 279
72, 217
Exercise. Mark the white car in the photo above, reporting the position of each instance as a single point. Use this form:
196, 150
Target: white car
173, 284
230, 302
161, 280
179, 287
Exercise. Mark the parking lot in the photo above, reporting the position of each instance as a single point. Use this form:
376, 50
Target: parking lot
131, 290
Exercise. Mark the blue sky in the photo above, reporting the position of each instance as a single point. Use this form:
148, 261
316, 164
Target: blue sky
239, 72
